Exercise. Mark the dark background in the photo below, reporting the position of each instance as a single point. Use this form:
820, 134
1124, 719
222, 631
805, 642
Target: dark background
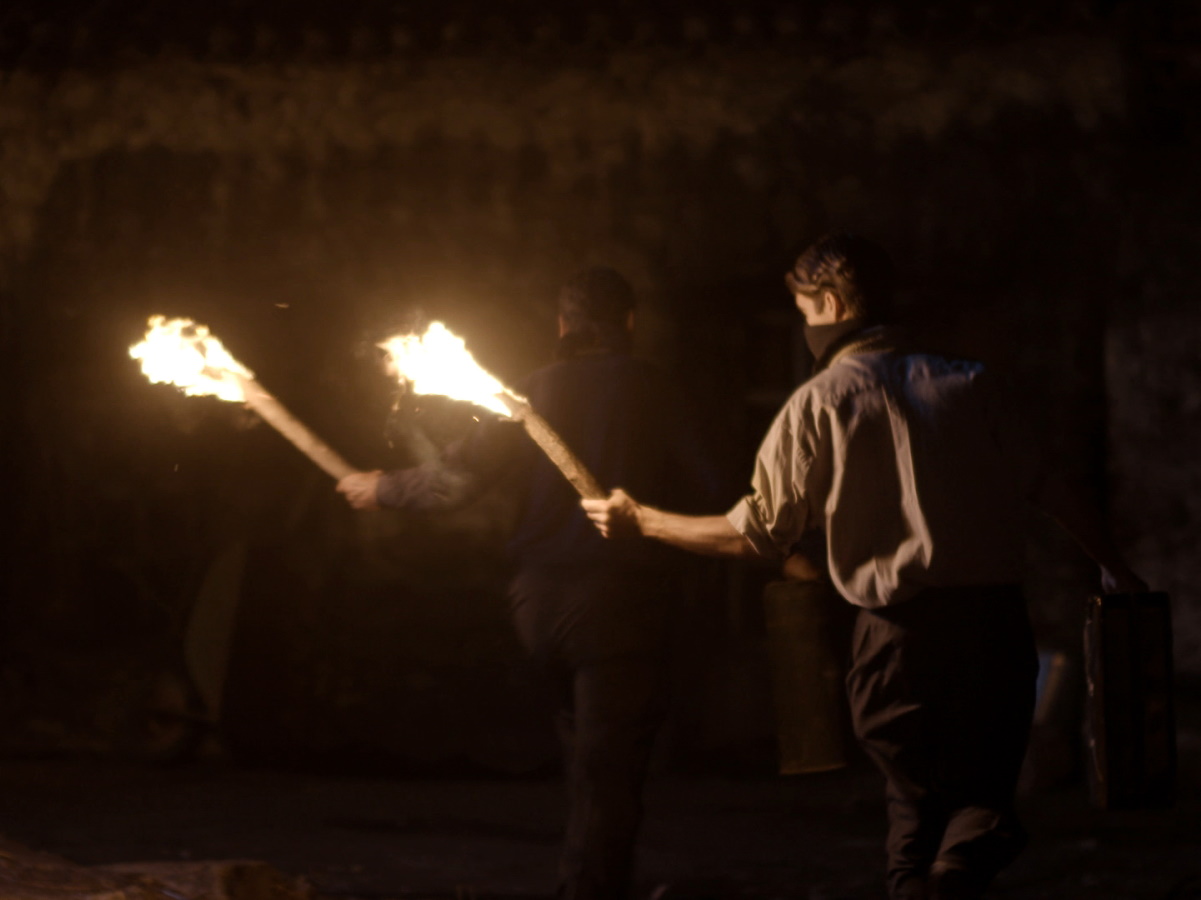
307, 179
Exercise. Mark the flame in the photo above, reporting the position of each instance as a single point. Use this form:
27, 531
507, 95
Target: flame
438, 362
182, 353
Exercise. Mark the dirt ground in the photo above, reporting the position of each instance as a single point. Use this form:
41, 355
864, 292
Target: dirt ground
375, 838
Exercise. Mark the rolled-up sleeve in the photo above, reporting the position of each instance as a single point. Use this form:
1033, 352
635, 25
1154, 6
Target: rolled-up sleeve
774, 515
750, 520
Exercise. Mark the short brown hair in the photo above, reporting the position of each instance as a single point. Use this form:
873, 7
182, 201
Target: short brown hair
594, 305
857, 269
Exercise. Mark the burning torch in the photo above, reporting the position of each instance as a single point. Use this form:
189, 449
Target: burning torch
182, 353
438, 362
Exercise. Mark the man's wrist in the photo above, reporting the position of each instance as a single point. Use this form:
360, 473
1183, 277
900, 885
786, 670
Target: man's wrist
644, 519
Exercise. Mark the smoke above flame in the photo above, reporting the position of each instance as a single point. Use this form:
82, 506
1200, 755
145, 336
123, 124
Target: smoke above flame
438, 362
182, 353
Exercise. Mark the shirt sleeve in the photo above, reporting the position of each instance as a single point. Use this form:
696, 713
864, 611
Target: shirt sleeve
463, 471
775, 514
429, 486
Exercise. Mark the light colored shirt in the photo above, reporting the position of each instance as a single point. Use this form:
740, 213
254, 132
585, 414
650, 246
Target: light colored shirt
908, 464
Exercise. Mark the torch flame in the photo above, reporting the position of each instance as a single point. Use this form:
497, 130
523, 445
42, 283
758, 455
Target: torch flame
438, 362
182, 353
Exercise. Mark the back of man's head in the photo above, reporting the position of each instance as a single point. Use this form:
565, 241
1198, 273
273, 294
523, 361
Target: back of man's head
854, 267
595, 307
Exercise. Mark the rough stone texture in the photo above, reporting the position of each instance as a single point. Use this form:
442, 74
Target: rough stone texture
795, 838
585, 118
306, 189
1154, 379
27, 874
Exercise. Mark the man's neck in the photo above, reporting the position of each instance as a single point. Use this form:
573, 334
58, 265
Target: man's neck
823, 340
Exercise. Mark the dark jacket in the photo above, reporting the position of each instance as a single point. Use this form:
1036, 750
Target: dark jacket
622, 417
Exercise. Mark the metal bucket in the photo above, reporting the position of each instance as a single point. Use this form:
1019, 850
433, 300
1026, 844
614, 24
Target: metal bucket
808, 667
1130, 722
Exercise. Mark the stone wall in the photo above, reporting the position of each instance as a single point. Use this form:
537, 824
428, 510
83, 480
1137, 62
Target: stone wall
1154, 390
306, 189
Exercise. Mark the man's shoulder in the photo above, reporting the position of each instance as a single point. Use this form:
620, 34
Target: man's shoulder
592, 364
873, 371
818, 391
948, 375
942, 363
617, 373
846, 376
906, 363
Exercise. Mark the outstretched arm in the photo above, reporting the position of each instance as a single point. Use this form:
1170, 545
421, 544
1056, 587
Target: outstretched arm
620, 515
461, 472
429, 487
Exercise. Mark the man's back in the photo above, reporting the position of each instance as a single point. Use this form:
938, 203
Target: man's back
628, 424
910, 467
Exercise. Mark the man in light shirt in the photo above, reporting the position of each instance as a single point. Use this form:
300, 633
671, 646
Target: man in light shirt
921, 481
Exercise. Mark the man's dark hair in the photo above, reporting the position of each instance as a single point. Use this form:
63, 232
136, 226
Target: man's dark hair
595, 305
857, 269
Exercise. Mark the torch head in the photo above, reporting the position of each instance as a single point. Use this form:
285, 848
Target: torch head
438, 362
187, 355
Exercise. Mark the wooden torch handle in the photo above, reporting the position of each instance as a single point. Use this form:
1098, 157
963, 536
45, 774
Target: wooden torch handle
552, 445
279, 418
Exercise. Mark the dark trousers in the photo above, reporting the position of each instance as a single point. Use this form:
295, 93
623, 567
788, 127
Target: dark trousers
941, 690
600, 635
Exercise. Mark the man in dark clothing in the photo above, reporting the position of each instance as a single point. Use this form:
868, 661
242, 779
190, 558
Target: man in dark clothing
592, 613
920, 482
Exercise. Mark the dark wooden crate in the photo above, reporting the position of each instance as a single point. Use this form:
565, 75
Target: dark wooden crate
1130, 726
